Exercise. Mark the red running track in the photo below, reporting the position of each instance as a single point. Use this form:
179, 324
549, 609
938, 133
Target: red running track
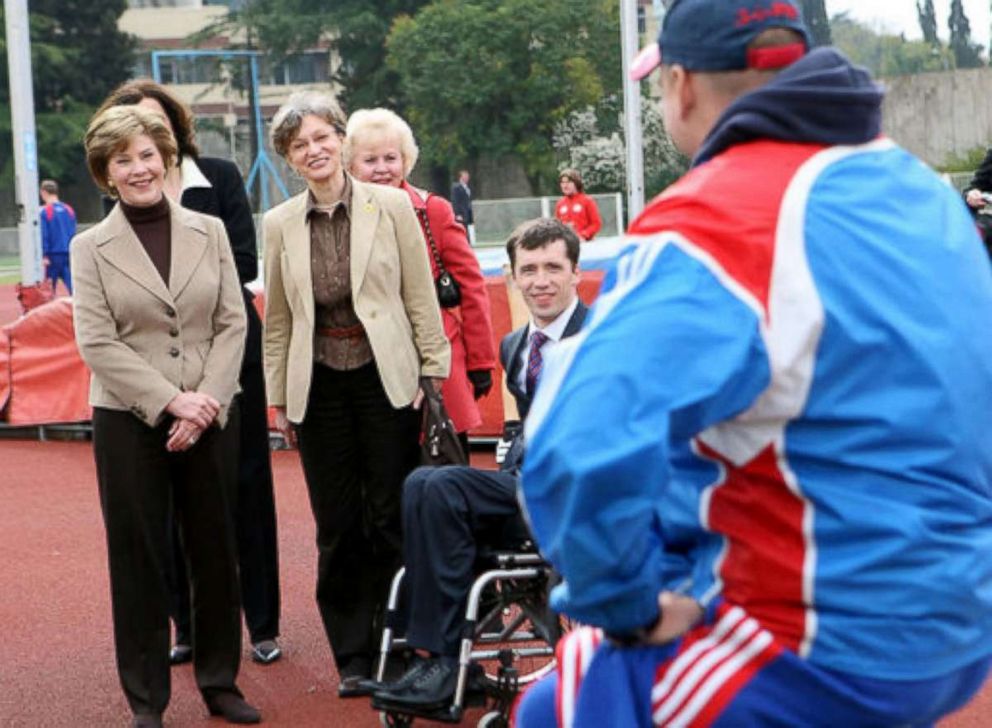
56, 643
56, 646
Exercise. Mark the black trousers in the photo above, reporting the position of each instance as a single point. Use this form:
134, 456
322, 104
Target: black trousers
253, 511
447, 513
139, 483
356, 450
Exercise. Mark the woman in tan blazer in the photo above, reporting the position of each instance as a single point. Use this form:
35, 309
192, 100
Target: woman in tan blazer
160, 322
352, 332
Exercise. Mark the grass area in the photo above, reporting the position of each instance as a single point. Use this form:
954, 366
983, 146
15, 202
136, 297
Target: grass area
10, 269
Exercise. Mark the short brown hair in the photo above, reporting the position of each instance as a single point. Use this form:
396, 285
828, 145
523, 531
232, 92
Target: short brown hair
574, 176
112, 130
50, 186
180, 115
540, 232
288, 119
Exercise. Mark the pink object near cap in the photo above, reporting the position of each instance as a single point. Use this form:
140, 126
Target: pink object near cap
648, 59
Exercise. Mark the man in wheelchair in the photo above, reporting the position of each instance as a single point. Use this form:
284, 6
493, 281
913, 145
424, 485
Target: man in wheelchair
450, 512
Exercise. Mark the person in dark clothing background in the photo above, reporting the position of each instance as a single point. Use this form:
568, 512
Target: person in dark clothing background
461, 201
981, 183
214, 186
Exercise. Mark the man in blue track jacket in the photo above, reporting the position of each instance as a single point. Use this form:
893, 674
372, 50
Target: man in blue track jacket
764, 467
58, 225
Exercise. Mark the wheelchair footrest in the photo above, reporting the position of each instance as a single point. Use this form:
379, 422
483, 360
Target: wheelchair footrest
445, 713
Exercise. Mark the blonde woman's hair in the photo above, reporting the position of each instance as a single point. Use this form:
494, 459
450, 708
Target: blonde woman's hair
111, 130
375, 125
289, 118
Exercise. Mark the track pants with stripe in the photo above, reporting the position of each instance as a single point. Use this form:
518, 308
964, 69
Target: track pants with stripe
728, 671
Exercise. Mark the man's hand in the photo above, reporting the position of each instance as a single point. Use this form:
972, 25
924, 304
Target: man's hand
287, 428
974, 199
482, 382
200, 409
679, 614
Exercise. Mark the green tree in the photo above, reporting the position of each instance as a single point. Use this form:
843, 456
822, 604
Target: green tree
815, 15
886, 55
490, 77
928, 21
77, 56
966, 53
356, 30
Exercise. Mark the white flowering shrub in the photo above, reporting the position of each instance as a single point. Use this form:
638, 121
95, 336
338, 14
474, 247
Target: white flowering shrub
595, 147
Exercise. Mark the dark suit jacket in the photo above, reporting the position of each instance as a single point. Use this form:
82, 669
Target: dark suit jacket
510, 350
228, 200
461, 200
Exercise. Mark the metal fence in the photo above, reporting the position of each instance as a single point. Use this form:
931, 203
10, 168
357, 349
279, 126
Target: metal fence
496, 219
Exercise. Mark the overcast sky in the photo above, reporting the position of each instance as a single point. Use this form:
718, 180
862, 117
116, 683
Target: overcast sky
899, 16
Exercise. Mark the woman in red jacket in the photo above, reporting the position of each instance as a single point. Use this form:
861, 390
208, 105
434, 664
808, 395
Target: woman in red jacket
379, 148
576, 209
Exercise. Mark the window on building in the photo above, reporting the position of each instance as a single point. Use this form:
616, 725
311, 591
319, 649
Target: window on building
188, 69
299, 68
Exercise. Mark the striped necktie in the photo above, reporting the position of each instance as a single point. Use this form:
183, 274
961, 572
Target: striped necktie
534, 361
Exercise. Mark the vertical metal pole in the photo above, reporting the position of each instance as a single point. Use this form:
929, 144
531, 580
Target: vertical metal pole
631, 110
25, 140
263, 179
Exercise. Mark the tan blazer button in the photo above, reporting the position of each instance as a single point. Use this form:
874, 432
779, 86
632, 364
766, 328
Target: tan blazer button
173, 352
170, 312
173, 332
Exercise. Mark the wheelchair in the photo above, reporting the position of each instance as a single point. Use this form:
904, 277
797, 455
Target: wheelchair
508, 640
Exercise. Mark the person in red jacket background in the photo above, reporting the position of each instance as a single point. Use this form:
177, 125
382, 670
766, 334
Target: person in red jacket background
576, 209
379, 147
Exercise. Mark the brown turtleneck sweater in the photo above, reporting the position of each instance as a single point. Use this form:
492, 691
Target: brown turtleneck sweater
153, 226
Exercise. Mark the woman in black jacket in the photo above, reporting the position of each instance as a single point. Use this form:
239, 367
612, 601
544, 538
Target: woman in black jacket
215, 187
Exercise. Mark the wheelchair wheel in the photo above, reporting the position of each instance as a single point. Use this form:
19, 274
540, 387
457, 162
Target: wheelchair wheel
493, 719
394, 720
518, 633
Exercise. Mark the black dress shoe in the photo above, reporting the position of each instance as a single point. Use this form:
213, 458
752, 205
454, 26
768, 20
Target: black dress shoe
354, 687
146, 720
354, 674
233, 708
396, 679
180, 653
432, 687
265, 652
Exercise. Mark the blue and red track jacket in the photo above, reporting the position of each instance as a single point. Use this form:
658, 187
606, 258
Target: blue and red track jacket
58, 225
783, 397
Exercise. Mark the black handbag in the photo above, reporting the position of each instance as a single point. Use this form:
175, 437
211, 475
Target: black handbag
439, 442
449, 294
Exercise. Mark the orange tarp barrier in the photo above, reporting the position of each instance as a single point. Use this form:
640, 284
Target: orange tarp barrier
44, 381
42, 378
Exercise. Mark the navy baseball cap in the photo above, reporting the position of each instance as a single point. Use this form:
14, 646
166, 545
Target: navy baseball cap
713, 35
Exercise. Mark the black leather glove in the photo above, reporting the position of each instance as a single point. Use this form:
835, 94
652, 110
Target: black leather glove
482, 382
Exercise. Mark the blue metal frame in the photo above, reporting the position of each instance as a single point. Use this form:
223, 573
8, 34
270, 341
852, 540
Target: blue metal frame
262, 166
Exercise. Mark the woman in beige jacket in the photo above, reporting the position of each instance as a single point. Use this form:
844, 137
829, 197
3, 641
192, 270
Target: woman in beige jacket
352, 332
160, 322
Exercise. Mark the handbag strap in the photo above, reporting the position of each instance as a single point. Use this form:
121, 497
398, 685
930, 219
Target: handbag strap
422, 214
